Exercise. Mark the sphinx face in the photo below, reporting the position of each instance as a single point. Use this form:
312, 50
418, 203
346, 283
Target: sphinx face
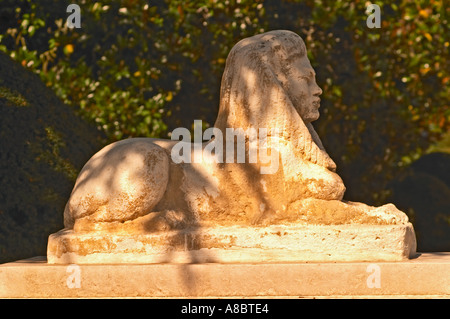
303, 90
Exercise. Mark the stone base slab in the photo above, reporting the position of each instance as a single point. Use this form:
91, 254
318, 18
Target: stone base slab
276, 243
425, 276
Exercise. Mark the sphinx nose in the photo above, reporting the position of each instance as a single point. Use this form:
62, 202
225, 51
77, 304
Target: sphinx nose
317, 90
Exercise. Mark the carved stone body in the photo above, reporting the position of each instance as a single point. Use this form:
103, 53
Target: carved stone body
268, 82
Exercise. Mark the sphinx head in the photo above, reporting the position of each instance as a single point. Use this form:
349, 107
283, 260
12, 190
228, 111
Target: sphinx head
268, 82
280, 56
302, 89
295, 73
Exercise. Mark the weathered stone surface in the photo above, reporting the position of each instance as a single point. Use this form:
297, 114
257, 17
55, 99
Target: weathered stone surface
238, 244
123, 181
136, 188
424, 277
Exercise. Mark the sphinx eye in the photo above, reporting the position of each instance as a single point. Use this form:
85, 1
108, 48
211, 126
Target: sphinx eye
308, 77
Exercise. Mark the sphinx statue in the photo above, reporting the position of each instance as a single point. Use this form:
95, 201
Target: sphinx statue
137, 189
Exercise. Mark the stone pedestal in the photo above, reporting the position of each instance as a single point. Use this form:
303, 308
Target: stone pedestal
428, 276
276, 243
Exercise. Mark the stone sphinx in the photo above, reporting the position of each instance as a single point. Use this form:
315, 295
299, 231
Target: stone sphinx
133, 203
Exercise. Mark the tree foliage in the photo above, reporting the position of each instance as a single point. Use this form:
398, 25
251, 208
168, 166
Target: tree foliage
142, 69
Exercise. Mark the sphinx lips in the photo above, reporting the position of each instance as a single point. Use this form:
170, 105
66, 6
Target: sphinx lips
316, 103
